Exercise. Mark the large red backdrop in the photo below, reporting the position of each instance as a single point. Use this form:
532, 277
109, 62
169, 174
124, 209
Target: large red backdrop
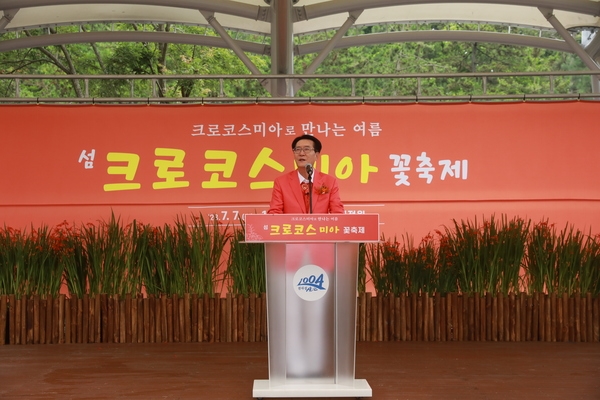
418, 165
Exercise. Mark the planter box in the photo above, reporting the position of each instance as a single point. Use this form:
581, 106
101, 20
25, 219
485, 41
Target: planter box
192, 318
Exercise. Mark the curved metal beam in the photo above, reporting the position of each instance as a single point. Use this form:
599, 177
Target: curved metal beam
438, 36
256, 48
94, 37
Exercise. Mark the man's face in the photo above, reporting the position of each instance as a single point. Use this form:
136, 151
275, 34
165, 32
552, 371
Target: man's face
306, 153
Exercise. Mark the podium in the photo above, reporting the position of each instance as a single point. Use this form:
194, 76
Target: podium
312, 272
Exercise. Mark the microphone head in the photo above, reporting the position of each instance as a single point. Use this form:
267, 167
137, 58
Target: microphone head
309, 168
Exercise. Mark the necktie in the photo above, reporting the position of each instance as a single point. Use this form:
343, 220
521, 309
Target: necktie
305, 190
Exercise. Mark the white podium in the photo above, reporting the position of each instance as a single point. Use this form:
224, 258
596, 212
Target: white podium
312, 270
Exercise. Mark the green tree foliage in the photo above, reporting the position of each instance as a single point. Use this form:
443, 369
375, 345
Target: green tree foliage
166, 59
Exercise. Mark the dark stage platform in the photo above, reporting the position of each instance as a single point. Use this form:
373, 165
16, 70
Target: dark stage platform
394, 370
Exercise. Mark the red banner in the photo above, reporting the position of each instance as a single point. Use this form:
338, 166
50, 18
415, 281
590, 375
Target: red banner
417, 165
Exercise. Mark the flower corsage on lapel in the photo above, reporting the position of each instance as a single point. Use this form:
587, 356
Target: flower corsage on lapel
322, 190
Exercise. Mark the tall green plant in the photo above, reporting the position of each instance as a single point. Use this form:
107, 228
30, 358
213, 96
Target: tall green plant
108, 249
207, 243
30, 263
246, 265
420, 264
589, 275
490, 255
540, 260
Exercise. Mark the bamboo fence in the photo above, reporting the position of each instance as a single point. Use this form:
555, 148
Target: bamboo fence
191, 318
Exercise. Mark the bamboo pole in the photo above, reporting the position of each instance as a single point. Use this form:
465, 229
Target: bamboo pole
55, 320
263, 323
448, 319
117, 318
98, 319
12, 311
175, 318
583, 318
559, 319
229, 317
577, 301
479, 303
500, 301
494, 324
374, 319
523, 316
426, 316
547, 318
85, 315
223, 318
418, 309
542, 317
172, 327
28, 302
128, 314
186, 318
139, 302
181, 319
553, 316
211, 316
512, 316
49, 313
217, 317
146, 319
205, 318
463, 317
397, 326
62, 326
257, 324
572, 317
506, 317
414, 317
596, 319
77, 304
122, 321
242, 318
252, 317
135, 301
453, 328
194, 311
3, 320
158, 319
386, 316
443, 317
489, 315
473, 335
246, 307
362, 307
368, 316
71, 304
36, 319
567, 331
535, 317
42, 316
201, 319
403, 317
430, 315
589, 317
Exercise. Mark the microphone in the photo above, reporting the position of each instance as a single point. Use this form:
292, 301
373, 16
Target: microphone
309, 169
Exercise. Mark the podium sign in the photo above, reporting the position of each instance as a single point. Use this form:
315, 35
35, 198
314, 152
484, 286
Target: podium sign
359, 228
312, 273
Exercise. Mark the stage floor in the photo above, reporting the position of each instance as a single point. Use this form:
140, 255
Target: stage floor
394, 370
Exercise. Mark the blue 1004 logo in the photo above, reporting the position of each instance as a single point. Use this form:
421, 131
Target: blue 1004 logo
311, 283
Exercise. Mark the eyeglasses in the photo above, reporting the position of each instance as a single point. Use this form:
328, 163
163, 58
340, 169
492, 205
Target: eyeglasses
305, 150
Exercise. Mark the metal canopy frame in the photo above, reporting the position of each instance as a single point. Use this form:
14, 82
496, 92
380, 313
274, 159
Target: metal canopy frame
280, 21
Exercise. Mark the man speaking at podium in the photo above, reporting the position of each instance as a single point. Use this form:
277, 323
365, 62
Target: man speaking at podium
292, 192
